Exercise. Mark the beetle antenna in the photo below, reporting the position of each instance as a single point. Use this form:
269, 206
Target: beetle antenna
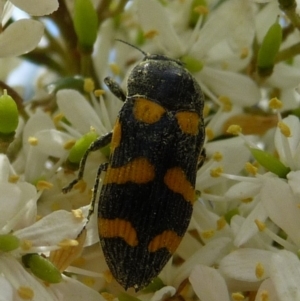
133, 46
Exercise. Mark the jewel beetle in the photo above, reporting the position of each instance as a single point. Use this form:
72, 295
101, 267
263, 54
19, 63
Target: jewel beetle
147, 194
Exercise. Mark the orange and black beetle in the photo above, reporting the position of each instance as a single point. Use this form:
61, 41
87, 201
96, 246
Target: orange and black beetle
147, 196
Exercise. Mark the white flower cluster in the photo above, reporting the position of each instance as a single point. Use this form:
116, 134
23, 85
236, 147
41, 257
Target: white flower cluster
243, 240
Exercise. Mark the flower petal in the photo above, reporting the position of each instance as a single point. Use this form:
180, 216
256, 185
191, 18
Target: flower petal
294, 180
249, 228
78, 111
5, 289
208, 255
51, 142
208, 284
241, 90
153, 16
21, 209
18, 277
12, 42
52, 229
285, 274
71, 289
238, 22
241, 264
164, 293
37, 7
267, 289
282, 207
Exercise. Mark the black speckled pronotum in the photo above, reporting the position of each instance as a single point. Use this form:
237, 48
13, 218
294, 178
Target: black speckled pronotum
147, 196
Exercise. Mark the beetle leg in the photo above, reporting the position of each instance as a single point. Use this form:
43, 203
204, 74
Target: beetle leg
97, 144
201, 158
115, 88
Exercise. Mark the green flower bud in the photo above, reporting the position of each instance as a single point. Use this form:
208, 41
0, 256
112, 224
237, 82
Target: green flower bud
85, 24
230, 214
269, 49
9, 115
270, 162
80, 147
192, 64
42, 268
73, 82
9, 242
155, 285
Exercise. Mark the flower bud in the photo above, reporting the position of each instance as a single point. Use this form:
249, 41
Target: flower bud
85, 24
270, 162
9, 115
80, 147
42, 268
9, 242
192, 64
269, 49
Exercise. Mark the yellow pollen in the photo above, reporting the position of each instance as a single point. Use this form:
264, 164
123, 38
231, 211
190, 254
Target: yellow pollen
244, 53
217, 156
26, 244
237, 296
43, 185
70, 250
247, 200
108, 296
33, 141
88, 85
69, 144
275, 103
260, 225
58, 117
68, 243
259, 270
209, 133
284, 129
25, 292
264, 296
115, 69
226, 102
221, 223
77, 213
216, 172
234, 129
208, 234
250, 168
201, 10
13, 178
151, 34
99, 92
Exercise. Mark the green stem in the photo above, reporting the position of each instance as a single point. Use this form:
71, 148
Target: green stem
288, 53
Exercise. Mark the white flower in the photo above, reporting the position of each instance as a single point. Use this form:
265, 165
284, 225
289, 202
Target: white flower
33, 7
18, 214
12, 38
209, 46
12, 42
